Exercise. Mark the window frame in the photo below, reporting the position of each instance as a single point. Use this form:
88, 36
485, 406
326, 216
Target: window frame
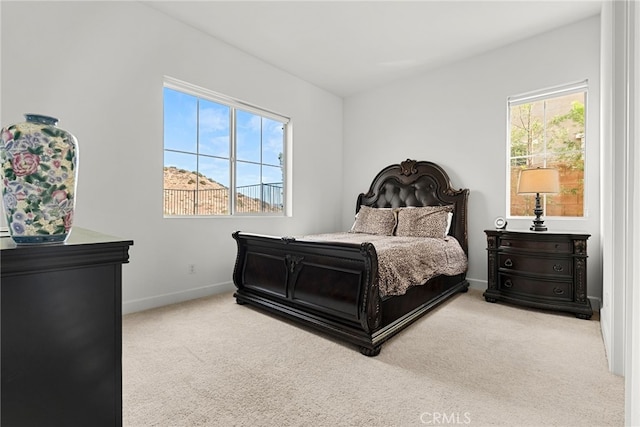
540, 95
234, 104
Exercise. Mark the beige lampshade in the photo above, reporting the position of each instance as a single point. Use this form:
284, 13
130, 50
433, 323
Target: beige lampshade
539, 180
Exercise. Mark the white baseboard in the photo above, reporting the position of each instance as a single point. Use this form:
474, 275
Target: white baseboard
606, 338
175, 297
477, 284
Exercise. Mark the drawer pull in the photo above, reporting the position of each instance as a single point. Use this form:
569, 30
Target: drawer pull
507, 283
557, 267
558, 291
507, 243
508, 262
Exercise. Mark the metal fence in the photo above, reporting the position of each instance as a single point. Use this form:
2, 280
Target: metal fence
250, 198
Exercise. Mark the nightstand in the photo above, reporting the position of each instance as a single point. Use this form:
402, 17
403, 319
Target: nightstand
539, 269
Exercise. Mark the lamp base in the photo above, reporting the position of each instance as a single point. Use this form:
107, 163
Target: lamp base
538, 224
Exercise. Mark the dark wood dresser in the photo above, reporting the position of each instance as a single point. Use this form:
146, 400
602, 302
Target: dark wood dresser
61, 325
545, 270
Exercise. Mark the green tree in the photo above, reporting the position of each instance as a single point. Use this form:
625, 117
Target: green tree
566, 137
526, 129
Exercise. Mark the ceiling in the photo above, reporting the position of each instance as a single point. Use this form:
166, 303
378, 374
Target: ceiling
347, 47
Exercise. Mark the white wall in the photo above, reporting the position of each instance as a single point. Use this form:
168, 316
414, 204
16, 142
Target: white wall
615, 179
620, 314
632, 309
456, 116
632, 351
98, 67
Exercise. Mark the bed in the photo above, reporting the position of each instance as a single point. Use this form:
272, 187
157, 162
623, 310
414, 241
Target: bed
337, 286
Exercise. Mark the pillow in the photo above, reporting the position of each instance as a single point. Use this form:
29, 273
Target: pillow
449, 220
427, 221
380, 221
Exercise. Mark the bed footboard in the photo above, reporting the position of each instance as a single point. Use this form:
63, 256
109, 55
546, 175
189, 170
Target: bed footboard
331, 287
328, 286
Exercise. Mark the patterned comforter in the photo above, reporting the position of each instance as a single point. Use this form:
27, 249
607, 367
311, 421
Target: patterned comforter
406, 261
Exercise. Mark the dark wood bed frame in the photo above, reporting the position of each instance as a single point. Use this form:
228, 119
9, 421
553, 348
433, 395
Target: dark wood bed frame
333, 287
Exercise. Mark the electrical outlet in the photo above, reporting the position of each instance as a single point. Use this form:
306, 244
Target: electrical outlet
192, 269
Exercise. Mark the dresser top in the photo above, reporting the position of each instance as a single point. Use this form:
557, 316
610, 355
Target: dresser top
83, 248
539, 233
78, 236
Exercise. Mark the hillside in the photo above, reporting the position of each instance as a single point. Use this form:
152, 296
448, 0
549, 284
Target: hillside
212, 197
180, 179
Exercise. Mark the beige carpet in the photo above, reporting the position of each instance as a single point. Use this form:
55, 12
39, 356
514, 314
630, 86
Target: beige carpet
211, 362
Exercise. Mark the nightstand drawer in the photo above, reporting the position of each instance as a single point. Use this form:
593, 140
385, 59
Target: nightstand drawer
536, 245
535, 288
535, 265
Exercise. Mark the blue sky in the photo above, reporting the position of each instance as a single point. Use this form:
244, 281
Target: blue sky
195, 126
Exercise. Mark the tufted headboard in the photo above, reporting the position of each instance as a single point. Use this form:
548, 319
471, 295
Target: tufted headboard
414, 183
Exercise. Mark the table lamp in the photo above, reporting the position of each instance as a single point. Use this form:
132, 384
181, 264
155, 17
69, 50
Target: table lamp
536, 181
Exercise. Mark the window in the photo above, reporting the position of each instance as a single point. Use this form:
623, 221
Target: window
547, 129
221, 156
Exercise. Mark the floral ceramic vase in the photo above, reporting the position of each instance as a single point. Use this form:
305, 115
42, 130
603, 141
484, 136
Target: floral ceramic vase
38, 168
